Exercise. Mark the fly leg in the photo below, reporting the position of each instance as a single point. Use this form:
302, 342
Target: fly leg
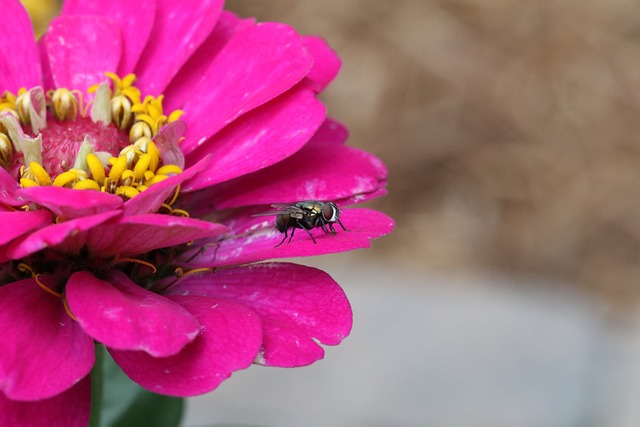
339, 222
284, 238
311, 235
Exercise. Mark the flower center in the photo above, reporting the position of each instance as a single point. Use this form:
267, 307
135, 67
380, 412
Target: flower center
106, 144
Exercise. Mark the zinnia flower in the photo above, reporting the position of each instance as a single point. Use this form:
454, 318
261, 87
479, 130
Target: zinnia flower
137, 143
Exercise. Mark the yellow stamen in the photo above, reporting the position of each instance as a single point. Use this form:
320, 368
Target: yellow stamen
153, 151
27, 183
64, 104
65, 178
181, 273
97, 171
175, 115
118, 168
156, 179
67, 309
46, 288
135, 261
175, 196
127, 191
41, 175
169, 169
23, 268
180, 212
141, 166
86, 184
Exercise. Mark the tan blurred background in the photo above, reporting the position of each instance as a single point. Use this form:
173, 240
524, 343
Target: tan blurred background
511, 129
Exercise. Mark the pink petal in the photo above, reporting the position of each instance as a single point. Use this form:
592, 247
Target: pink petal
68, 409
9, 190
47, 78
316, 172
135, 24
298, 306
69, 204
230, 340
167, 141
123, 315
178, 30
255, 66
44, 352
326, 62
152, 198
139, 234
331, 132
254, 239
15, 224
20, 65
260, 138
69, 233
81, 49
184, 83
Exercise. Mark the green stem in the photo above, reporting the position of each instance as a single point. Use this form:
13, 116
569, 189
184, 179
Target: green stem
97, 386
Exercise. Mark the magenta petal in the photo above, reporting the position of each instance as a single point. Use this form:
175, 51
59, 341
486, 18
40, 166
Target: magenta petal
47, 78
178, 30
298, 306
69, 204
255, 66
254, 239
68, 409
316, 172
9, 190
67, 233
229, 341
266, 135
183, 84
139, 234
20, 64
152, 198
326, 62
44, 352
135, 24
123, 315
331, 132
15, 224
81, 49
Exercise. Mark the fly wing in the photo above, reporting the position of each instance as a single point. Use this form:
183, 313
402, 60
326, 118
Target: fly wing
279, 209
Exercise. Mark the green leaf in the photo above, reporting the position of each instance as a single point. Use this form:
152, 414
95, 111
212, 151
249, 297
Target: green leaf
119, 402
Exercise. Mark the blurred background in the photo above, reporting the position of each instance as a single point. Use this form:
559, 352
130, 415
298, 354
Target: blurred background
508, 293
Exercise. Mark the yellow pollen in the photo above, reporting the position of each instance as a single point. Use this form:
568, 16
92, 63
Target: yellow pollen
95, 167
127, 191
156, 179
153, 151
118, 168
141, 166
66, 178
169, 169
27, 183
86, 184
41, 176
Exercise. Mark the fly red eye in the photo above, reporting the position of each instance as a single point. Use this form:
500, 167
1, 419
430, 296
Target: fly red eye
329, 213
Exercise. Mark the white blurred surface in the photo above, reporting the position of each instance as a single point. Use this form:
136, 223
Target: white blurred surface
448, 351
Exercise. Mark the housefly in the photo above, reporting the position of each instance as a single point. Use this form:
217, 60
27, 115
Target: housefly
305, 215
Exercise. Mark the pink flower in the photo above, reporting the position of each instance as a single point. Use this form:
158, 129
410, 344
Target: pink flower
150, 253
